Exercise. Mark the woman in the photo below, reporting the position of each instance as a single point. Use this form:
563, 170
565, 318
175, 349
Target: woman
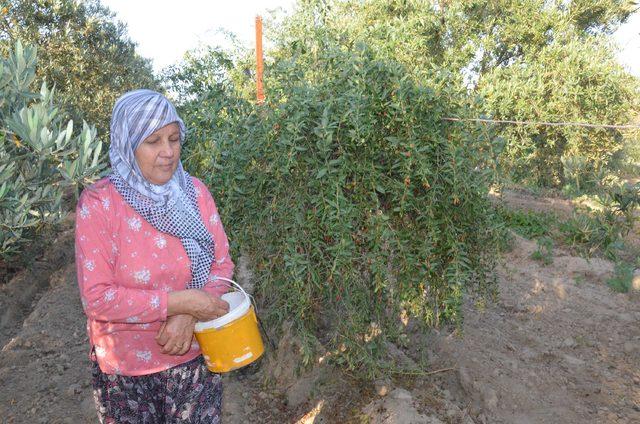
149, 246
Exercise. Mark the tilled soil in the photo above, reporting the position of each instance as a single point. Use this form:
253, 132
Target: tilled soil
556, 346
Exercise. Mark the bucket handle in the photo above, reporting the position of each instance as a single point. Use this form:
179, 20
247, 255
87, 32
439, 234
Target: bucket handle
236, 285
227, 280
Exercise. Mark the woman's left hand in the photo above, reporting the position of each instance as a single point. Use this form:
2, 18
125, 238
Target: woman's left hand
176, 334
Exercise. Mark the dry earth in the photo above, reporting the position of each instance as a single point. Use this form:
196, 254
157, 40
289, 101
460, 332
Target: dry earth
556, 346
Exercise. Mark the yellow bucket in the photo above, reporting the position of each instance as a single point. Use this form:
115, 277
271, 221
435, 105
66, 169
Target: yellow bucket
233, 340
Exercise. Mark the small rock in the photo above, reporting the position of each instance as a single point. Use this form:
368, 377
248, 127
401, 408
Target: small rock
382, 386
263, 395
27, 344
490, 399
569, 342
635, 283
636, 380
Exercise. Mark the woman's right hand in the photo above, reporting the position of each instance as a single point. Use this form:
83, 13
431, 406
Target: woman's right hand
205, 307
198, 303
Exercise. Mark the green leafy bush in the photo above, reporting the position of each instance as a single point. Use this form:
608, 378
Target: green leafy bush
528, 224
357, 205
544, 251
604, 230
41, 158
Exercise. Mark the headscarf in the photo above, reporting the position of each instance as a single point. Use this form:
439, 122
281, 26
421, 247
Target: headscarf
172, 207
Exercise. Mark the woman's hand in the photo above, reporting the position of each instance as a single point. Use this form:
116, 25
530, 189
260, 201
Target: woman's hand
206, 307
176, 334
200, 304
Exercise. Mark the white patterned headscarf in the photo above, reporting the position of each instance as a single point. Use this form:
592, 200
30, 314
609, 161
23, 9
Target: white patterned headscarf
172, 207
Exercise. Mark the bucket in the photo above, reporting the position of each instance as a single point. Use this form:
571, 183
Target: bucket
233, 340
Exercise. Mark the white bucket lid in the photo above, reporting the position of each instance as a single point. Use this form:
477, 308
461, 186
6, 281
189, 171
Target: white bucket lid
239, 303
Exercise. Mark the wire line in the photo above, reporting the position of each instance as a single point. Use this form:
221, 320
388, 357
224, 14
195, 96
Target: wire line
551, 124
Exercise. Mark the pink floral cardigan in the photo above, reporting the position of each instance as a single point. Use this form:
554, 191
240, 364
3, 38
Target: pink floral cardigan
125, 270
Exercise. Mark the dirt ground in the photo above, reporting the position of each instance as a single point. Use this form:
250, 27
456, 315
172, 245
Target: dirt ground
557, 346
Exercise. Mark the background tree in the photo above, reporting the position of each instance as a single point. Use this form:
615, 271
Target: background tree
547, 48
42, 157
82, 51
574, 81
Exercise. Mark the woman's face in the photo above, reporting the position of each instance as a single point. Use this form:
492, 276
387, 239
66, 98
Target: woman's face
159, 154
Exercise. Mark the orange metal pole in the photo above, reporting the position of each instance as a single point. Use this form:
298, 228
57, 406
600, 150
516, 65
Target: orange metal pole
259, 62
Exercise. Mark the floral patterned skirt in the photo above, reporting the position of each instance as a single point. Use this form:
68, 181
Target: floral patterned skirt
188, 393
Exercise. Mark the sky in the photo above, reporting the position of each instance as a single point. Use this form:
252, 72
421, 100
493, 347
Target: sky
165, 30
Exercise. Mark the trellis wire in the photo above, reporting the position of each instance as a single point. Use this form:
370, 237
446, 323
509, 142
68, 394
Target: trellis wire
551, 124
